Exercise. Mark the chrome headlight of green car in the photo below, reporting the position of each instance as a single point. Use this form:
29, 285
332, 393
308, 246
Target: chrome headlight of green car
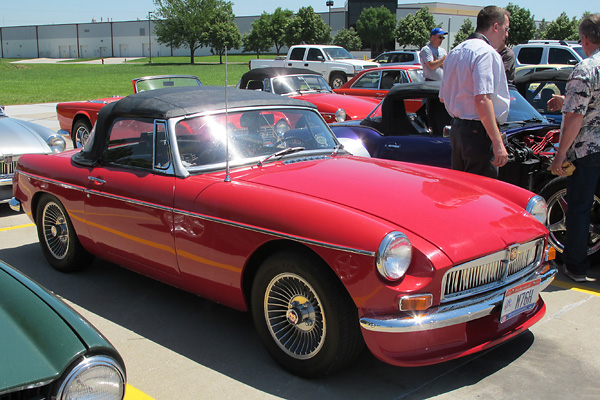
49, 351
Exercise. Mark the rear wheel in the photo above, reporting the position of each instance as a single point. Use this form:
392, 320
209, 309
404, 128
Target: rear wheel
555, 194
304, 316
57, 237
81, 132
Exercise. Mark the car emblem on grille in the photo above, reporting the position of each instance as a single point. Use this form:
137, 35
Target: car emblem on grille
513, 253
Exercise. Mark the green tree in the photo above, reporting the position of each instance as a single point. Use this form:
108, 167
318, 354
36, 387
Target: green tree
257, 39
463, 32
348, 39
186, 23
522, 25
278, 25
224, 33
563, 28
307, 27
375, 26
540, 32
414, 30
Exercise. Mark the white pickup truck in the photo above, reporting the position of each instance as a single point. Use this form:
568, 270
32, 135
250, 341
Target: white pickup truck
335, 63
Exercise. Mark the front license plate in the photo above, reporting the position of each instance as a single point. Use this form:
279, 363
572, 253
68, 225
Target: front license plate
519, 299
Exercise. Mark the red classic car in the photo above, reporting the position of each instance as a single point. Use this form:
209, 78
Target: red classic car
76, 118
301, 83
327, 250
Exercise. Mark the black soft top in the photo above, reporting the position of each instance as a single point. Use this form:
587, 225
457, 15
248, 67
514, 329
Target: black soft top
176, 102
260, 74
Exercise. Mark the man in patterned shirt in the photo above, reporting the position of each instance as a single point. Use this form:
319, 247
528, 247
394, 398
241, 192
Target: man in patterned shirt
580, 144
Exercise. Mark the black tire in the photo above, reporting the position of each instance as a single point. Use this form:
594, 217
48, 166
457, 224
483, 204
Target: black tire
80, 132
57, 237
337, 80
554, 192
293, 295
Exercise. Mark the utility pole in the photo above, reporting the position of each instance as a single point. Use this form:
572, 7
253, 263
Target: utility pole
329, 3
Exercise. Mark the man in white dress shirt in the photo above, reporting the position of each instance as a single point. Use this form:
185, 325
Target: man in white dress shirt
475, 93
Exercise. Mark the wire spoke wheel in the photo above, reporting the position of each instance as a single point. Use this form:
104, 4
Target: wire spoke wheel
56, 230
294, 316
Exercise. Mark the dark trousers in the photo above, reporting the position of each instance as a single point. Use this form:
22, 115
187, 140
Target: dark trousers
472, 148
581, 187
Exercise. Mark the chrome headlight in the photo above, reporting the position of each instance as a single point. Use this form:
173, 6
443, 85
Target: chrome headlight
97, 377
340, 115
394, 256
537, 207
358, 68
56, 143
281, 127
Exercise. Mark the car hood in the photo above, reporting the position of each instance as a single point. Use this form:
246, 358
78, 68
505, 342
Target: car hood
21, 137
454, 211
364, 64
37, 342
355, 107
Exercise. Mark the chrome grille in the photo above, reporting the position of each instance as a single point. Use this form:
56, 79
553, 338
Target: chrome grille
8, 165
491, 271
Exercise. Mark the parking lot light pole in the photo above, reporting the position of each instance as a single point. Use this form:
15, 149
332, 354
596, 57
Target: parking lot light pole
329, 3
150, 14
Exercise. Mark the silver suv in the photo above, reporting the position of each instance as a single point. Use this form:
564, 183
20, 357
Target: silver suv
548, 52
399, 57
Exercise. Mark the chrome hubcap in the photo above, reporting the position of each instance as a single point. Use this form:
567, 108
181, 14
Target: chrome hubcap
294, 316
56, 230
81, 136
557, 209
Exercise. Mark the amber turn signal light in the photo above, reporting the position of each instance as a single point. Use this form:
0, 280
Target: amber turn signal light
416, 302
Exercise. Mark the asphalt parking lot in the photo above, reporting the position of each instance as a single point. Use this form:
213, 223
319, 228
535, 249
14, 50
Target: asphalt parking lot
179, 346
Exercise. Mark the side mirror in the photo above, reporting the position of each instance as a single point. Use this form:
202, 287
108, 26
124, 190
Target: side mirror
320, 58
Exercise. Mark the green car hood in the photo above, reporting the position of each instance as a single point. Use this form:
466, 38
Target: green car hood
36, 344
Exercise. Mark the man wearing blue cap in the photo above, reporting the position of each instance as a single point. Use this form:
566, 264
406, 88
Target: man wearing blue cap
432, 56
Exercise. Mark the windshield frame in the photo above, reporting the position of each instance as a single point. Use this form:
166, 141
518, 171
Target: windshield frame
232, 115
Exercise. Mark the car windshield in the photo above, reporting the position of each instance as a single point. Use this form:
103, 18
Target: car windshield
520, 110
299, 83
579, 51
338, 53
253, 136
163, 82
416, 75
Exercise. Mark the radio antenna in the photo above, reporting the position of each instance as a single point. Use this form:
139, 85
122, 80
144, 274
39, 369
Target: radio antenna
227, 176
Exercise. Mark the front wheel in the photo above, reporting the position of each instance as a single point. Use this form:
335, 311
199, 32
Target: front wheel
337, 80
57, 237
555, 194
304, 316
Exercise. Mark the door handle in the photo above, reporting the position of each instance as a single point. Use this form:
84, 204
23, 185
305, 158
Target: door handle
97, 181
392, 146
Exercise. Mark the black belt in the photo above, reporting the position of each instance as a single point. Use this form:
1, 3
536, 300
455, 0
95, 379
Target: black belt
466, 122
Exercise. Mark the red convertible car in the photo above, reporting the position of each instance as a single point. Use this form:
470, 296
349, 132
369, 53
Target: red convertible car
377, 82
76, 118
327, 250
301, 83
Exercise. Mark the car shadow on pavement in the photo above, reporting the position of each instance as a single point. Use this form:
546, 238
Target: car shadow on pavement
225, 341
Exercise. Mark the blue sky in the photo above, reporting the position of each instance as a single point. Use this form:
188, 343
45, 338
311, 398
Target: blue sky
42, 12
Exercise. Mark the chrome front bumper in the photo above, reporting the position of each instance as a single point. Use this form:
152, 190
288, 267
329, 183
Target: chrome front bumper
450, 314
14, 204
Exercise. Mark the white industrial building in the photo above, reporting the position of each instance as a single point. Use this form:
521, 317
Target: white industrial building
137, 39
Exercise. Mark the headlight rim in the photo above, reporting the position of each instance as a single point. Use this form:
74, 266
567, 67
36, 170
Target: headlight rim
85, 363
58, 147
534, 203
384, 247
341, 115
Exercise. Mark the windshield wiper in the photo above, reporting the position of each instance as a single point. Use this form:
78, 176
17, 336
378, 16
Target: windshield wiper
280, 153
